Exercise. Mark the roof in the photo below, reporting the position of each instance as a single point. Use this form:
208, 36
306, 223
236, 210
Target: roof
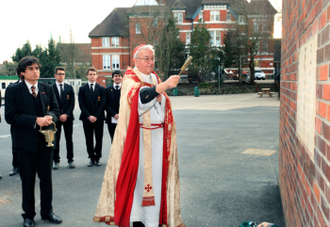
145, 10
191, 6
114, 25
261, 7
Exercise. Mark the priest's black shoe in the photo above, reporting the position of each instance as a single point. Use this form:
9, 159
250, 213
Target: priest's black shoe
14, 171
52, 218
29, 223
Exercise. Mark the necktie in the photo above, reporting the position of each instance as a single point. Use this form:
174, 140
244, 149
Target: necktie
92, 87
33, 89
117, 87
61, 90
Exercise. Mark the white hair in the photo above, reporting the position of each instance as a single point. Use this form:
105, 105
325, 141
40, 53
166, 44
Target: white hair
148, 46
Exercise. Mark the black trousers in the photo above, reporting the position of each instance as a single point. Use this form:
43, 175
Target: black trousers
30, 164
112, 129
14, 162
91, 129
68, 131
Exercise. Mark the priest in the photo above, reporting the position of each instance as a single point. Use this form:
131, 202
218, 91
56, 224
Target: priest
141, 181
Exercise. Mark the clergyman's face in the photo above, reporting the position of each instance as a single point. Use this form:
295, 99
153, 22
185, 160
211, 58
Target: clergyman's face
145, 66
91, 76
117, 78
60, 75
31, 73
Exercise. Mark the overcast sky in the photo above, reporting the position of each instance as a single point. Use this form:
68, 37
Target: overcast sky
36, 20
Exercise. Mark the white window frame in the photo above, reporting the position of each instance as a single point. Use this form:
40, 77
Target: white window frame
178, 17
138, 28
228, 16
215, 37
115, 62
105, 42
201, 15
106, 62
215, 15
115, 41
241, 19
188, 38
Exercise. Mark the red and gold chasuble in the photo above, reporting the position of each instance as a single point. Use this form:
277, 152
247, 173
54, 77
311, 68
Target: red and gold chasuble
117, 192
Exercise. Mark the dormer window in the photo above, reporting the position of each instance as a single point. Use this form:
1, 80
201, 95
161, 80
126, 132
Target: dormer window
178, 18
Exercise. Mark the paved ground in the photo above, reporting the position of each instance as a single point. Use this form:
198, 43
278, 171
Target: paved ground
220, 186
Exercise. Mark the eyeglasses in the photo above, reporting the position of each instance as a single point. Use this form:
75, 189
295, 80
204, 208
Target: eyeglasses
147, 59
61, 74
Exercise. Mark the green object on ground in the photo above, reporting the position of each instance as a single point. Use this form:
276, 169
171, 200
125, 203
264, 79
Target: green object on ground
175, 91
196, 92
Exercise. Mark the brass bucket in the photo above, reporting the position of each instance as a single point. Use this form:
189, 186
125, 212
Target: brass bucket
49, 135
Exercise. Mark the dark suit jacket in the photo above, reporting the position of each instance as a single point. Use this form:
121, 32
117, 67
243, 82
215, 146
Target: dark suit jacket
67, 101
112, 104
20, 114
91, 105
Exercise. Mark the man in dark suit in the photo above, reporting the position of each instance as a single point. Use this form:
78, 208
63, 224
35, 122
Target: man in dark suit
65, 98
91, 102
14, 162
112, 102
30, 106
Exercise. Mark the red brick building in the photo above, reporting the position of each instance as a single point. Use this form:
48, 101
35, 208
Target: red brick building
113, 41
305, 113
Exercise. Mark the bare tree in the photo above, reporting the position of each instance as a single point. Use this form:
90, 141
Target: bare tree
75, 56
155, 25
253, 28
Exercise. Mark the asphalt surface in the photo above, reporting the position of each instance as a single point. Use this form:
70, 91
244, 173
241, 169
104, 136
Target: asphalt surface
220, 186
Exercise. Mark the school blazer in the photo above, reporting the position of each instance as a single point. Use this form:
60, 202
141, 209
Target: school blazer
67, 101
91, 104
20, 114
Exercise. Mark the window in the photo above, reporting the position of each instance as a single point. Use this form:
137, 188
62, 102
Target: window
115, 62
105, 42
155, 22
3, 85
138, 28
188, 37
256, 64
241, 20
215, 15
264, 26
228, 15
201, 16
115, 41
256, 26
264, 47
106, 62
215, 38
178, 18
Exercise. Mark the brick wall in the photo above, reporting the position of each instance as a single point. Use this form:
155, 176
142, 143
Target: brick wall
305, 114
